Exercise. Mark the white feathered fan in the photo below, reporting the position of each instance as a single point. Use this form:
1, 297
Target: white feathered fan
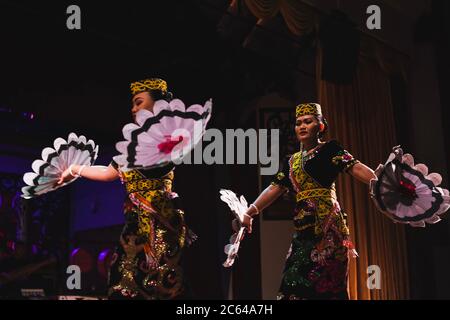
239, 207
407, 193
165, 135
48, 170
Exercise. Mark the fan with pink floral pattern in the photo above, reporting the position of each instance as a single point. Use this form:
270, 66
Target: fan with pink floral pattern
407, 193
167, 134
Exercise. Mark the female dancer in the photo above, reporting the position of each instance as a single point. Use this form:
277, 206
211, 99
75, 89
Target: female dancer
317, 262
147, 264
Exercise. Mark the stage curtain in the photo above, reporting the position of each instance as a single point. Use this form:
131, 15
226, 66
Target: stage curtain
298, 16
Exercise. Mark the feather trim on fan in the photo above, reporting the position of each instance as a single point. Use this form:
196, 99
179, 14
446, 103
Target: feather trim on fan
407, 192
165, 135
239, 207
54, 161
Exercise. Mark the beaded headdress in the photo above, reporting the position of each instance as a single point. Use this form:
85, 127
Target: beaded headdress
148, 84
304, 109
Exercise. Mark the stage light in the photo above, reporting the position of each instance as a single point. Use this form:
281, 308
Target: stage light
103, 262
82, 259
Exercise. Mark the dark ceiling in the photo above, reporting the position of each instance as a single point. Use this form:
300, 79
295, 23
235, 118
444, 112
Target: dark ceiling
78, 80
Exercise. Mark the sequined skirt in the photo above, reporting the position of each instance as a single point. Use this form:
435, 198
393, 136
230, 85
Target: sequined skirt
148, 262
316, 266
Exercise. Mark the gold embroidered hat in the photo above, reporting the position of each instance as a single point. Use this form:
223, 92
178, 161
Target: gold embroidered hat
304, 109
148, 84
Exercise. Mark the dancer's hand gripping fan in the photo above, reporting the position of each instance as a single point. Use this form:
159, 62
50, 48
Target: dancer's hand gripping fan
407, 193
166, 134
239, 207
54, 161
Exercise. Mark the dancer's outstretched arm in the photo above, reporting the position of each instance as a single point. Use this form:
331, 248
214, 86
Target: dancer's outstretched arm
265, 199
98, 173
362, 172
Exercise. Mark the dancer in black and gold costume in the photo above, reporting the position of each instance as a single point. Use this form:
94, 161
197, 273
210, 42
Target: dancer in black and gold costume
147, 263
317, 262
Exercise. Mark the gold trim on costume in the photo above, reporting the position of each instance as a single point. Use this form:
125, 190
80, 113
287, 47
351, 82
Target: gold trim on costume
316, 193
147, 184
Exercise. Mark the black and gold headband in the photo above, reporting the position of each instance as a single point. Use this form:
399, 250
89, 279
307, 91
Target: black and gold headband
148, 84
304, 109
